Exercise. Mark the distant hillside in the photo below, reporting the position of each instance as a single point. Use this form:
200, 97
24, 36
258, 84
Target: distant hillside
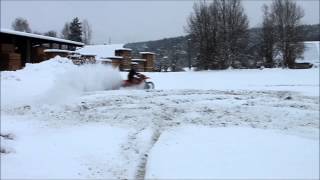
311, 32
176, 50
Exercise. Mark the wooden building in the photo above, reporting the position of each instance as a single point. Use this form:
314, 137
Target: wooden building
139, 63
18, 48
51, 53
9, 59
150, 58
125, 53
116, 61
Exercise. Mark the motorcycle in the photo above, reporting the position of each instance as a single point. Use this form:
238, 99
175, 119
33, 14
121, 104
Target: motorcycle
139, 81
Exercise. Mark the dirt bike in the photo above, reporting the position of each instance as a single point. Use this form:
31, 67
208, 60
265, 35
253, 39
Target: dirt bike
140, 80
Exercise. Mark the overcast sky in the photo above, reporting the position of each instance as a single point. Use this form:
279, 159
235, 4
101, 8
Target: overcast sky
125, 21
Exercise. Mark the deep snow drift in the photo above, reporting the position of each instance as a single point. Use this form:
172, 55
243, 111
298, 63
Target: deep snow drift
58, 121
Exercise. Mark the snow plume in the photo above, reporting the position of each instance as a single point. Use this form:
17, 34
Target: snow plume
75, 81
54, 80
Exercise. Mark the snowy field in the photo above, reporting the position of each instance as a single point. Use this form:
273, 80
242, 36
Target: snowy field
59, 120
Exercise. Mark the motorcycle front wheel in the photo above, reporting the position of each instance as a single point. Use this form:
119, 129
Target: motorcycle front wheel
148, 85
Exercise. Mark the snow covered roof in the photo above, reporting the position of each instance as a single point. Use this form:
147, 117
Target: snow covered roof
101, 51
311, 42
138, 60
114, 57
57, 50
125, 49
18, 33
104, 59
147, 53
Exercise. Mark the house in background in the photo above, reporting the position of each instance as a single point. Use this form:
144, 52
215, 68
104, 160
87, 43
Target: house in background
18, 48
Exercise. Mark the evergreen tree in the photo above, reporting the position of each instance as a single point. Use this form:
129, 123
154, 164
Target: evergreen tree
75, 30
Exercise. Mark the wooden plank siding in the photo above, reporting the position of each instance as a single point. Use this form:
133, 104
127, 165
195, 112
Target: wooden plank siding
150, 58
126, 61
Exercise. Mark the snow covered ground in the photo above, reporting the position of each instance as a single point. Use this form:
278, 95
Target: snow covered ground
59, 120
305, 81
205, 153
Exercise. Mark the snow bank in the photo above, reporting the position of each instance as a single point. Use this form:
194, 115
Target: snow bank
55, 79
245, 153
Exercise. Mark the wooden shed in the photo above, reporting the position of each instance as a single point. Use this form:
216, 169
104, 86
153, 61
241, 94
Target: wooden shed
139, 63
116, 61
9, 59
51, 53
125, 53
150, 58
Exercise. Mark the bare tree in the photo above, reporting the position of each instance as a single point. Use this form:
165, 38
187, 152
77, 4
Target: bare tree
199, 30
286, 16
233, 31
219, 31
267, 36
65, 33
86, 32
21, 24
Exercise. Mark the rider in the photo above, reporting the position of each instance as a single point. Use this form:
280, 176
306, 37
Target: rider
134, 76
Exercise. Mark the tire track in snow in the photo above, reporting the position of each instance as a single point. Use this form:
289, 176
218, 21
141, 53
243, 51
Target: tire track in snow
141, 171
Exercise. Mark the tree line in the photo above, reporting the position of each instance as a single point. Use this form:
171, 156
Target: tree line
219, 33
205, 46
175, 53
74, 30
